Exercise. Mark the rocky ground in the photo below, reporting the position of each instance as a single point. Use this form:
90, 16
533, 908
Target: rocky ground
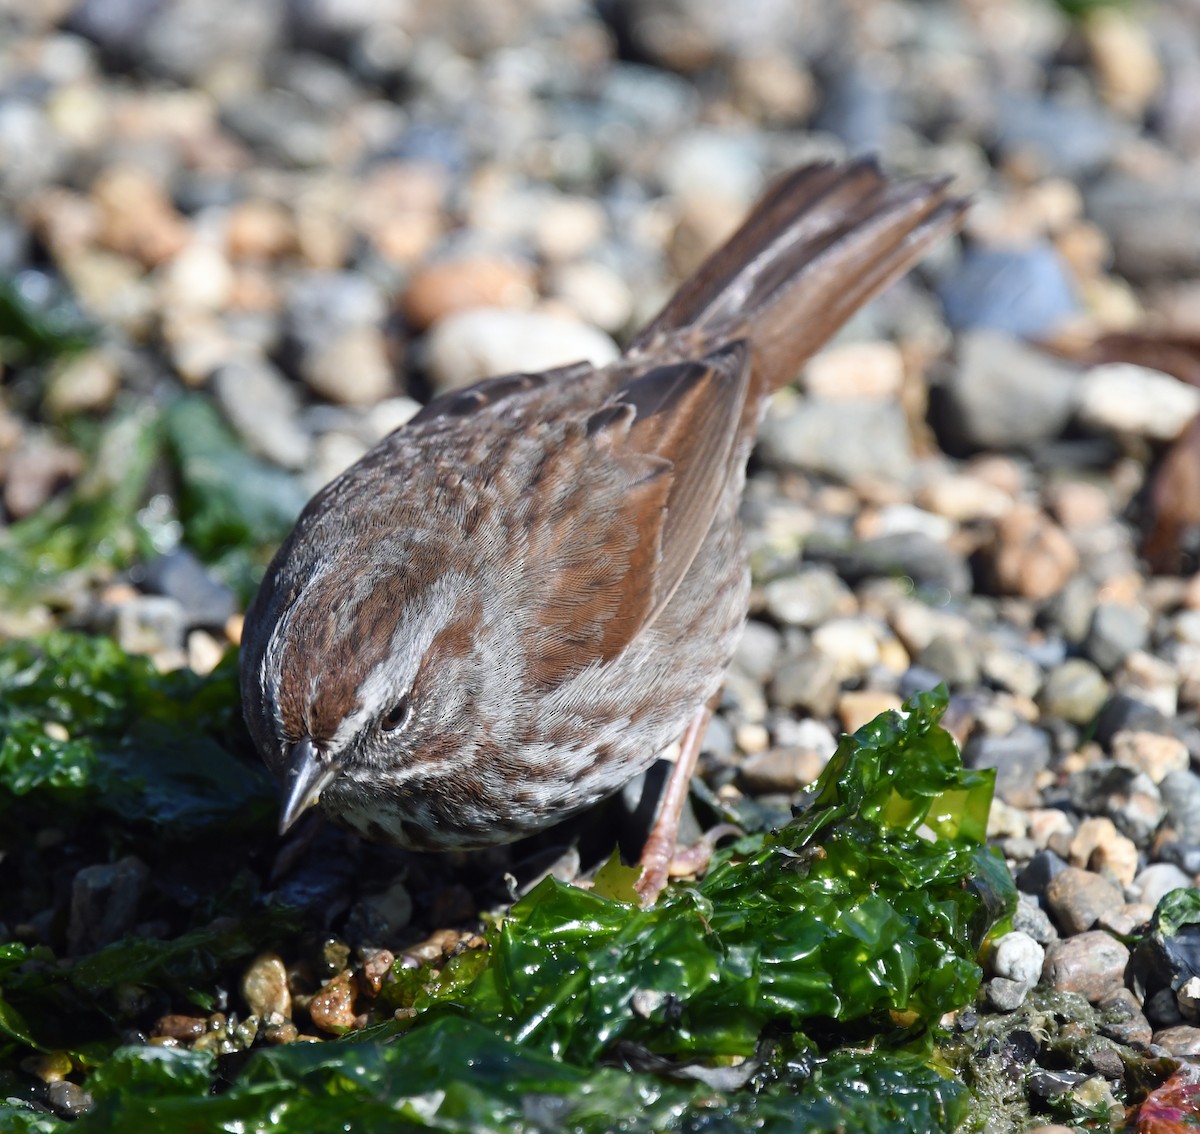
314, 214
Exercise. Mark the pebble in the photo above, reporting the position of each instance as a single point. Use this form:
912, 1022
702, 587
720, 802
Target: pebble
1018, 758
1026, 293
35, 472
1158, 880
1122, 398
265, 988
1031, 556
471, 345
871, 370
332, 1009
446, 288
1117, 630
1150, 752
852, 644
758, 650
858, 707
595, 293
1077, 899
1091, 964
1097, 845
1129, 798
181, 577
1126, 60
87, 384
1181, 1041
263, 407
1123, 1020
150, 624
810, 598
963, 498
808, 683
67, 1099
1181, 797
1016, 965
351, 368
846, 440
785, 770
1004, 394
954, 659
104, 903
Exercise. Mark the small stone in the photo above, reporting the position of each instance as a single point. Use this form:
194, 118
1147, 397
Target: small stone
259, 230
810, 598
181, 1027
758, 650
265, 988
567, 227
470, 345
1158, 880
873, 370
1117, 630
1125, 920
1011, 670
1125, 58
351, 368
333, 1008
851, 643
1032, 556
87, 384
1091, 964
1122, 398
861, 706
1018, 758
595, 293
137, 218
263, 407
1077, 898
1181, 1041
964, 499
34, 472
808, 683
104, 903
1122, 1018
1180, 793
204, 652
784, 770
1150, 752
68, 1099
1032, 920
441, 289
1044, 866
1017, 956
1129, 798
150, 624
1022, 292
1098, 846
198, 277
1077, 504
180, 576
1151, 679
954, 659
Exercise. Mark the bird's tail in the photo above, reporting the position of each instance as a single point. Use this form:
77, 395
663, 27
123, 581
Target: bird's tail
822, 241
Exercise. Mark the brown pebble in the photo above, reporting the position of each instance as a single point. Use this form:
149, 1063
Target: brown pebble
1077, 899
781, 770
437, 945
259, 230
181, 1027
332, 1008
281, 1033
1182, 1040
376, 969
1031, 556
1092, 964
439, 289
857, 707
137, 218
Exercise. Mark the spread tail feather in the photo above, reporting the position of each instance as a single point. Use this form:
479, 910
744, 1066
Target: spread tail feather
824, 240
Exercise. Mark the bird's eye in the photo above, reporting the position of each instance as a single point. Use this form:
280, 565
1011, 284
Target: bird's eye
397, 715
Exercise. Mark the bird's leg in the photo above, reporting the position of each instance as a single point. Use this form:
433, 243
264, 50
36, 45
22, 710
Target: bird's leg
660, 844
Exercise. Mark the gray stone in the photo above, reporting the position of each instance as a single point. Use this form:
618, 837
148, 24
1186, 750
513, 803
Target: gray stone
808, 683
179, 575
912, 555
1117, 630
758, 650
1129, 798
263, 407
847, 440
1074, 691
1151, 224
1003, 394
809, 598
955, 659
1067, 137
104, 903
1181, 797
1030, 919
1017, 758
1158, 880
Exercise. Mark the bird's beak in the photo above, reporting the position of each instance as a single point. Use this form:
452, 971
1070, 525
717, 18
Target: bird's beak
309, 772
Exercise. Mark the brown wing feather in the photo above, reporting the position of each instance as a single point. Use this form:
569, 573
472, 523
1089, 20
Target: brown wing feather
657, 457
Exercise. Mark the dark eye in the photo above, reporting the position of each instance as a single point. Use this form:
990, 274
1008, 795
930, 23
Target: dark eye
397, 715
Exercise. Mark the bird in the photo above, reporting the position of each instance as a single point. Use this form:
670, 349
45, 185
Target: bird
510, 606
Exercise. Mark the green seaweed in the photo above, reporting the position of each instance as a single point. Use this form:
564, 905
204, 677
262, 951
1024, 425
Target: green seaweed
799, 986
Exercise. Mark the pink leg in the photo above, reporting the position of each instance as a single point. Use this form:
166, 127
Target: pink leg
660, 845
